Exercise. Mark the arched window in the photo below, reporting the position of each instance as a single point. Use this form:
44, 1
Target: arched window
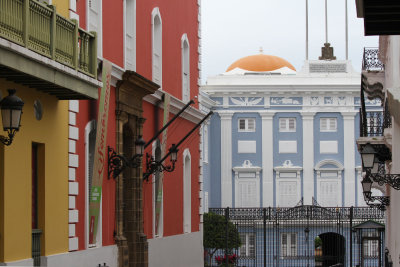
90, 143
185, 69
156, 46
187, 191
329, 183
95, 22
130, 34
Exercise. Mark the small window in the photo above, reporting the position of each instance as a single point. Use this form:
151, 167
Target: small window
247, 125
371, 245
328, 124
287, 124
248, 241
288, 245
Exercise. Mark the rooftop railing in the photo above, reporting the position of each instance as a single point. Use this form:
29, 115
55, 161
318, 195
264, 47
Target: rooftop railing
39, 28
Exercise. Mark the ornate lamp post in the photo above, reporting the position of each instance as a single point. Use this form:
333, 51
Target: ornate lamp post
11, 110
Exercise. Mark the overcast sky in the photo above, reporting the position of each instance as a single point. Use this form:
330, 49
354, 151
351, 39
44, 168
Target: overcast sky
232, 29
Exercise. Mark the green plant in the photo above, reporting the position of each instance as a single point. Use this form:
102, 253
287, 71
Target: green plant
215, 234
317, 242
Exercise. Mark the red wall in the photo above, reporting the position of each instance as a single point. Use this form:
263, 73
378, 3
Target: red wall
87, 112
178, 17
173, 182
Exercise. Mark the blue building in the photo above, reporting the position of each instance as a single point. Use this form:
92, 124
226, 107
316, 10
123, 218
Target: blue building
282, 138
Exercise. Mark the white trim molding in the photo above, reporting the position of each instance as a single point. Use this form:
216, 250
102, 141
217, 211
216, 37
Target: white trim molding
250, 179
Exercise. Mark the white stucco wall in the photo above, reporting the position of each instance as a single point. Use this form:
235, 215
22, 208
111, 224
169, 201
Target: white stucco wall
88, 257
177, 251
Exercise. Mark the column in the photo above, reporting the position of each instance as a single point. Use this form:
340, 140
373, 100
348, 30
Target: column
226, 159
308, 157
267, 159
349, 159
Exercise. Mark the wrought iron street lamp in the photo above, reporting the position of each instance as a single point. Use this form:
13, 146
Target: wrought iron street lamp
368, 156
366, 185
11, 110
371, 201
374, 167
117, 163
153, 165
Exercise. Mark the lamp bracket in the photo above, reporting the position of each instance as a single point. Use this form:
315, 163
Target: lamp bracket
8, 140
384, 201
153, 166
117, 163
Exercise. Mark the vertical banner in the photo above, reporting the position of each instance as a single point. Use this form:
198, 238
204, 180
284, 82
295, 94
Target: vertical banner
100, 155
159, 183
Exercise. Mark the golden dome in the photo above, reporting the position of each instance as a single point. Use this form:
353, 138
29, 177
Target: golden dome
260, 62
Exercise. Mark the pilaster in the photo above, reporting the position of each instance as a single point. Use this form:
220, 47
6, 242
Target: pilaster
267, 158
308, 157
226, 159
349, 158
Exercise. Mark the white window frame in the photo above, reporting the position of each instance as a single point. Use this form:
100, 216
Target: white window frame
370, 245
287, 124
99, 31
90, 126
185, 53
156, 48
291, 250
246, 125
287, 172
187, 191
131, 12
247, 173
322, 176
328, 124
248, 247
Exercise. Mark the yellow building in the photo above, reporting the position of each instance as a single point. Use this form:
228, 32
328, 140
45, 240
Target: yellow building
47, 67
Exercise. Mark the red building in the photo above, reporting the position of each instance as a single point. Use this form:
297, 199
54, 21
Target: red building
153, 46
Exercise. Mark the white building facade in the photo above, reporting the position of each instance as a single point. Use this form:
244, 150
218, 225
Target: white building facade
280, 136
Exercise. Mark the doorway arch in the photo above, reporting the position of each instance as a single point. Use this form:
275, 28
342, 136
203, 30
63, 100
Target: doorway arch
333, 249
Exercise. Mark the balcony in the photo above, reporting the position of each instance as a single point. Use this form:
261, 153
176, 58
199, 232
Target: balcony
40, 47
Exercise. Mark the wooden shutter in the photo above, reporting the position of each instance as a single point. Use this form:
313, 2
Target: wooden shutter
251, 124
130, 37
332, 124
292, 124
95, 22
287, 193
329, 193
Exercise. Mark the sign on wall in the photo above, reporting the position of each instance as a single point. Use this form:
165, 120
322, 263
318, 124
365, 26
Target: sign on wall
100, 155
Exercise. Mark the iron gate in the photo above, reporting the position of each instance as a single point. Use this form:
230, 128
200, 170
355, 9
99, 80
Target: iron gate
305, 235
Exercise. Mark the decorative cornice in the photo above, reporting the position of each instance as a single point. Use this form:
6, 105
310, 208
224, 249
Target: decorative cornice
192, 114
247, 166
329, 161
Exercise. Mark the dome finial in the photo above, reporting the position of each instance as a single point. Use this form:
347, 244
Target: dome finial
261, 50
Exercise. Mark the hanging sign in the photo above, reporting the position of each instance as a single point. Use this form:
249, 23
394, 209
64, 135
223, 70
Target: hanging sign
100, 155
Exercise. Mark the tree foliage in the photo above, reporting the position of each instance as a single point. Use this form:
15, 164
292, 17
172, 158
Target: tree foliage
215, 234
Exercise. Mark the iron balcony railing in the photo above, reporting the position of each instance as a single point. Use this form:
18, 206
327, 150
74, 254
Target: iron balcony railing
373, 123
39, 28
371, 60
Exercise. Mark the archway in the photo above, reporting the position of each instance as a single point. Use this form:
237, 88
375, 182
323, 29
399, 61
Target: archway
333, 249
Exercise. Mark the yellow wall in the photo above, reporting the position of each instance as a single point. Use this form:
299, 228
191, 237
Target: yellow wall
16, 178
62, 7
